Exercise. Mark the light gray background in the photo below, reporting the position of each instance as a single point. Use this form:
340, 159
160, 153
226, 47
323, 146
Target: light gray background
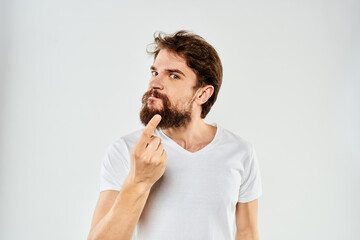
73, 73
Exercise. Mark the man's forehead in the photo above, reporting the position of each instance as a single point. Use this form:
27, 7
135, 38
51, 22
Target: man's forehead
170, 60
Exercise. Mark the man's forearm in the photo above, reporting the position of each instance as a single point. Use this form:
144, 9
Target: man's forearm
120, 222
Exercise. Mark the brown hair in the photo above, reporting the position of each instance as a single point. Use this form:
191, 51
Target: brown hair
200, 56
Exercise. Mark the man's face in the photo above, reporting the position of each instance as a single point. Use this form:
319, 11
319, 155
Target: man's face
170, 92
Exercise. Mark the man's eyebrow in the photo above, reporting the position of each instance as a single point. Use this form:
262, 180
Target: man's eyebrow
170, 70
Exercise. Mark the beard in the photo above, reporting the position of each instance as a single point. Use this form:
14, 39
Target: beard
171, 117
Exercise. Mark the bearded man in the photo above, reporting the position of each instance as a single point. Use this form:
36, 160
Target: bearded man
179, 177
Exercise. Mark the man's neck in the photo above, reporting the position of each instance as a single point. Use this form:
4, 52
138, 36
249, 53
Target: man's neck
194, 136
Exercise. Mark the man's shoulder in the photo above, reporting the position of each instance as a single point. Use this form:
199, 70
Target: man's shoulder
230, 136
129, 139
132, 136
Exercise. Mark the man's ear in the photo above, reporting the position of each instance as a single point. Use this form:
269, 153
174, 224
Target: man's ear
205, 93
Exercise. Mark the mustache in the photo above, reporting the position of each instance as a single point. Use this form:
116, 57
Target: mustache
155, 93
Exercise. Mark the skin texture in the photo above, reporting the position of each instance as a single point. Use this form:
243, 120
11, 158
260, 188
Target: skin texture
246, 221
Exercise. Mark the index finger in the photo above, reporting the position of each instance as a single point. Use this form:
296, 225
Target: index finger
149, 129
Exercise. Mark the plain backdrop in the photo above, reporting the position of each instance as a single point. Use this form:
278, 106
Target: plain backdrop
73, 73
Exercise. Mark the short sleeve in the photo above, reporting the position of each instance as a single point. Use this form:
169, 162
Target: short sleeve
115, 166
251, 187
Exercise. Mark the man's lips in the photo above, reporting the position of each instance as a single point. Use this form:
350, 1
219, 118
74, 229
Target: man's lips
152, 97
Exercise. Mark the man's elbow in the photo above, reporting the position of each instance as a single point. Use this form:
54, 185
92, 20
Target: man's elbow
247, 235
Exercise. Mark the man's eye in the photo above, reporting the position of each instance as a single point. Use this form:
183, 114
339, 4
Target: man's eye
154, 73
174, 76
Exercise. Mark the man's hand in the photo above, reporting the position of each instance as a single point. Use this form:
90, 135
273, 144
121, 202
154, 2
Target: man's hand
148, 157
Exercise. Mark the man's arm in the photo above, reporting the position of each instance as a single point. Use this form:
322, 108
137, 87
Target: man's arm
116, 214
246, 221
147, 165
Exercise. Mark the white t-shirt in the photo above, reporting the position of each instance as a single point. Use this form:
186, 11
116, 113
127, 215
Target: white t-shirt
196, 197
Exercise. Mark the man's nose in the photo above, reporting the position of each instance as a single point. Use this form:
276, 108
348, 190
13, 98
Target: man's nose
157, 82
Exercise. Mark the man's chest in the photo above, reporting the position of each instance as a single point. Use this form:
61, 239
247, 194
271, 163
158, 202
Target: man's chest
209, 179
